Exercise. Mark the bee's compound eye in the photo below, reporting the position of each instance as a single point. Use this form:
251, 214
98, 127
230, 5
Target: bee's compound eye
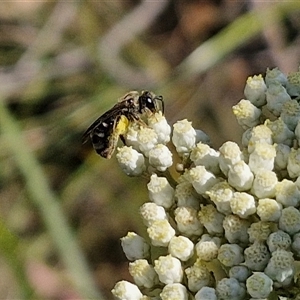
149, 100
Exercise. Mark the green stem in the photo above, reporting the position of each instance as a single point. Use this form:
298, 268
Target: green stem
11, 250
48, 204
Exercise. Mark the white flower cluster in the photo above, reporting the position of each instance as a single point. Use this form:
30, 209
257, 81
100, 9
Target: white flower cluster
229, 226
146, 147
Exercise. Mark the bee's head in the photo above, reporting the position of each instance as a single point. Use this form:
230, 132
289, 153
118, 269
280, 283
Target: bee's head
148, 101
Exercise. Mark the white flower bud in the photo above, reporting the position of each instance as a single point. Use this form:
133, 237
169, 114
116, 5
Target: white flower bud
282, 155
221, 194
281, 133
132, 135
257, 256
207, 248
261, 134
125, 290
259, 285
186, 195
230, 255
160, 232
174, 291
184, 136
240, 176
297, 133
246, 114
198, 276
160, 191
290, 220
161, 127
181, 247
206, 293
211, 219
279, 240
202, 137
291, 113
187, 221
269, 210
276, 96
151, 212
246, 136
230, 154
259, 231
281, 266
241, 273
160, 157
293, 84
242, 204
203, 155
264, 184
201, 179
287, 193
262, 157
255, 90
296, 244
131, 161
169, 269
275, 75
293, 165
147, 139
134, 246
297, 182
230, 289
236, 229
143, 273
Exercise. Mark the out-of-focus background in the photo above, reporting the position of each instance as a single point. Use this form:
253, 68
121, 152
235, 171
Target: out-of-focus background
62, 64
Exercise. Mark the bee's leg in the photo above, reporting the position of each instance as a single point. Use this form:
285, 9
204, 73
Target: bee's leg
139, 121
123, 139
142, 123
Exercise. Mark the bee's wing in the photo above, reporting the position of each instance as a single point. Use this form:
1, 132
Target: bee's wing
87, 134
102, 133
104, 119
105, 131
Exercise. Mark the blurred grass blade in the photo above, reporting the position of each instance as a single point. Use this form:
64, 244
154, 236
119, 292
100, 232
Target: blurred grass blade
48, 205
234, 35
9, 247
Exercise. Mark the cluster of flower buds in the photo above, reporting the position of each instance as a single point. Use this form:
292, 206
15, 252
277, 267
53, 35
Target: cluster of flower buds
229, 226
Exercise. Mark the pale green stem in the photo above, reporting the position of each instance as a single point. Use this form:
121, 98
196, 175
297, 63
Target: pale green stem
48, 205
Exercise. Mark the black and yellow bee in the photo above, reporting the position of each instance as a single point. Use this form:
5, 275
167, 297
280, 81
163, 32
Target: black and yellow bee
106, 130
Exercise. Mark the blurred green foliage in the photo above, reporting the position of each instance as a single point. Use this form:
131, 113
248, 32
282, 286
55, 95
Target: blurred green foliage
63, 208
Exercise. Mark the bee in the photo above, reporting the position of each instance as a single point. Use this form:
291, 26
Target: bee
104, 133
